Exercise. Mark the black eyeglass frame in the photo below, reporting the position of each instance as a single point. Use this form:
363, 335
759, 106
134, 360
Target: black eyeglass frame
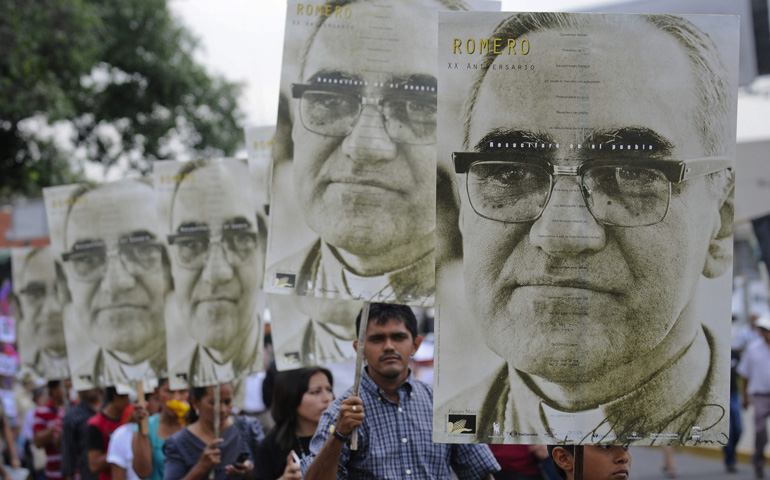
299, 89
102, 249
675, 171
206, 235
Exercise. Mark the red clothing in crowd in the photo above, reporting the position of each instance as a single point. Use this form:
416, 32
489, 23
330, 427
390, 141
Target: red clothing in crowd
515, 458
98, 433
46, 417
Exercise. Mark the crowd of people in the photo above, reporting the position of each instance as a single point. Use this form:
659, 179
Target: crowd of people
102, 434
750, 356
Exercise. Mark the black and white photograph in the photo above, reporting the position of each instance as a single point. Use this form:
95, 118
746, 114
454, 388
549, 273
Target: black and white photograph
259, 149
39, 312
585, 248
309, 331
353, 197
213, 315
108, 239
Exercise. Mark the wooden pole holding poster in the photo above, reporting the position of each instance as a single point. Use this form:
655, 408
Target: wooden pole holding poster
216, 420
578, 462
359, 365
144, 428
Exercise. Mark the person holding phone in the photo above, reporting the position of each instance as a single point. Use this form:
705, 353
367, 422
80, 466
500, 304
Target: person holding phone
194, 451
299, 399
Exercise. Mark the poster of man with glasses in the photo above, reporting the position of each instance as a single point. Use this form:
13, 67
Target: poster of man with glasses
38, 304
593, 158
109, 242
354, 217
213, 314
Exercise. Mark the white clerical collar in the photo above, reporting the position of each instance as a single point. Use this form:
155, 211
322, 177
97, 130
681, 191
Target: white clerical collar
374, 288
114, 371
51, 366
527, 412
209, 370
594, 420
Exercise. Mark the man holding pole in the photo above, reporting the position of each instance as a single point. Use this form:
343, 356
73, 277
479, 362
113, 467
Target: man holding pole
392, 413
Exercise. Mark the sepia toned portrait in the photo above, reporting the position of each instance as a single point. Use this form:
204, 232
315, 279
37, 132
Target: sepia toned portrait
117, 275
212, 315
353, 214
40, 322
308, 331
595, 190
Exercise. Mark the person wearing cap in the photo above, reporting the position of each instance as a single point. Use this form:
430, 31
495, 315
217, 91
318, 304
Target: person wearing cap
756, 389
600, 462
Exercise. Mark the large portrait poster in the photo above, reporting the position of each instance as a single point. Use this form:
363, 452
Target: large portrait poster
352, 212
310, 331
108, 240
259, 149
40, 326
213, 314
584, 295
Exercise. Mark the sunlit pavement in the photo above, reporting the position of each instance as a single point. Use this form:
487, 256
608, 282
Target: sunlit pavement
691, 463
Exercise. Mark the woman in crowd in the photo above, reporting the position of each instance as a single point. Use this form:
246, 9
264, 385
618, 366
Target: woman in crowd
299, 399
193, 451
148, 458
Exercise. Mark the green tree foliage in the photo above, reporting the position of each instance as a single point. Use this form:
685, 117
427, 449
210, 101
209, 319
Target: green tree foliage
112, 82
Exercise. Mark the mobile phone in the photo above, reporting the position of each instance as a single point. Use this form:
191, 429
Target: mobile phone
295, 457
242, 457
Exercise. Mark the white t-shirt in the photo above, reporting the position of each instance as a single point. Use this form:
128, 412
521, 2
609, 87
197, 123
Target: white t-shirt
754, 367
119, 452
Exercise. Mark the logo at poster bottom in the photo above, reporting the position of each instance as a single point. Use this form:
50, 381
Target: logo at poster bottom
285, 280
461, 424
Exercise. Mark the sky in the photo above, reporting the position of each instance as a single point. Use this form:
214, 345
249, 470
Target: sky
243, 41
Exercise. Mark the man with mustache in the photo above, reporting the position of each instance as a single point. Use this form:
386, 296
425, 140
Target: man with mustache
213, 247
392, 413
117, 274
41, 332
583, 247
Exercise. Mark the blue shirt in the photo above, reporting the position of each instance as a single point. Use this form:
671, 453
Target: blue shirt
156, 444
183, 450
396, 440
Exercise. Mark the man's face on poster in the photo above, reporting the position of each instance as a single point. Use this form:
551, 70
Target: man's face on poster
537, 286
213, 247
114, 267
40, 303
365, 172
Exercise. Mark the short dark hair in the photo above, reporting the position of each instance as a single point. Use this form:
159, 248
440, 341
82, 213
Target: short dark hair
382, 312
37, 393
110, 393
53, 384
198, 393
290, 387
560, 471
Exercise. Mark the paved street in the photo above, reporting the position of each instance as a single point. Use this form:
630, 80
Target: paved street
704, 463
648, 465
